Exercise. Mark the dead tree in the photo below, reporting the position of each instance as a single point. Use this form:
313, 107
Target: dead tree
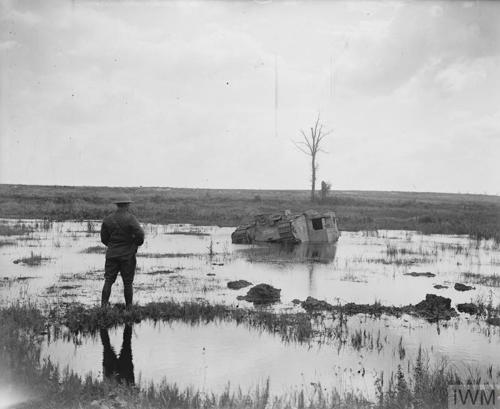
311, 146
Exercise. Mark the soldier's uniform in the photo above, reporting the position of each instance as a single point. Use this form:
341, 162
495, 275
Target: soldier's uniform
122, 234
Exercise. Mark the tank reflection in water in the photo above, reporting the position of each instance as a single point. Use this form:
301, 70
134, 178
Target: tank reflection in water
289, 253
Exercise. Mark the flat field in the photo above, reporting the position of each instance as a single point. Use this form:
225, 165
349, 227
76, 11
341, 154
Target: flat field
476, 215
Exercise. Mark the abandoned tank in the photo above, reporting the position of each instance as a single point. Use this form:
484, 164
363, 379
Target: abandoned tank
307, 227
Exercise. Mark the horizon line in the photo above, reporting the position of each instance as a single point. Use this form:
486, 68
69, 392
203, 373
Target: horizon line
251, 189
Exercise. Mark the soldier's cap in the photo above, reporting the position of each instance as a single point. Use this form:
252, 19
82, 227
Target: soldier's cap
124, 199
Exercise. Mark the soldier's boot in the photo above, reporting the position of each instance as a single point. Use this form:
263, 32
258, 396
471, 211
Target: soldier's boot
128, 292
106, 293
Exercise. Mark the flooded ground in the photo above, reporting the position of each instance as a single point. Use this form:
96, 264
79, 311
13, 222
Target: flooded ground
211, 356
55, 263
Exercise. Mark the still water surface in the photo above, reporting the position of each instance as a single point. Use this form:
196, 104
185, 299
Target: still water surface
364, 267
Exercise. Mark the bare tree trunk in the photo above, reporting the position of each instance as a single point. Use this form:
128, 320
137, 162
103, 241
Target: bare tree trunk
311, 145
313, 178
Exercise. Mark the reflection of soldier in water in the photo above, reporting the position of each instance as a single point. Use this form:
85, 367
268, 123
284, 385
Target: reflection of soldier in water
122, 368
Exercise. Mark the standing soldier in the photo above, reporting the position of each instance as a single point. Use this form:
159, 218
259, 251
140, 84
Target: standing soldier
122, 234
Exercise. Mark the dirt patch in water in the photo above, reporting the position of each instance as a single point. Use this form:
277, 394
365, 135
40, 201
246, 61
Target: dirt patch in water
494, 321
435, 308
160, 272
238, 285
262, 294
33, 260
415, 274
468, 308
312, 304
463, 287
94, 250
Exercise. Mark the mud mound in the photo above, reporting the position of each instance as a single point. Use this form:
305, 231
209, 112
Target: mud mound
463, 287
415, 274
468, 308
435, 307
239, 284
494, 321
312, 304
262, 294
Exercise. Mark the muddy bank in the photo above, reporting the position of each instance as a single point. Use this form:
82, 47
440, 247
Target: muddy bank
433, 308
296, 326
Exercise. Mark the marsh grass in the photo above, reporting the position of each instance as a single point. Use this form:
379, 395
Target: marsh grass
490, 280
397, 260
188, 233
352, 277
17, 229
393, 251
291, 327
160, 272
54, 289
369, 211
169, 255
88, 275
94, 250
421, 386
91, 227
32, 260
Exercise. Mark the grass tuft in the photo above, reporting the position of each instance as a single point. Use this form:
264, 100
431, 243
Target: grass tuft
32, 260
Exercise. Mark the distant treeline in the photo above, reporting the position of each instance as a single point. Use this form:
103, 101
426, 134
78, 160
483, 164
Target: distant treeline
476, 215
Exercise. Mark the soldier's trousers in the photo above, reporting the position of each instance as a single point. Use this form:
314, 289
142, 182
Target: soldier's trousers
125, 265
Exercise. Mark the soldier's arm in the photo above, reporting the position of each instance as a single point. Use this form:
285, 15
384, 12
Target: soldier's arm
137, 231
104, 234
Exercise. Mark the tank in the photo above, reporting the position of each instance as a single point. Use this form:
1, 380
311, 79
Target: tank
307, 227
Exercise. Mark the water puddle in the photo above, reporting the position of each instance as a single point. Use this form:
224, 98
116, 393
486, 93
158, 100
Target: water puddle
211, 356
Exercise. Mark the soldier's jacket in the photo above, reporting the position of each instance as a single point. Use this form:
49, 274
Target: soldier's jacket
121, 233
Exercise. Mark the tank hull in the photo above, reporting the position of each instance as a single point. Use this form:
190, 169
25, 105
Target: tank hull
307, 227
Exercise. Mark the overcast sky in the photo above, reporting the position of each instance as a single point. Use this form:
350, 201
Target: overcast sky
184, 93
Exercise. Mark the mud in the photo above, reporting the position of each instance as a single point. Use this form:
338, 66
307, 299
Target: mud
312, 304
238, 285
415, 274
435, 308
494, 321
94, 250
160, 272
468, 308
463, 287
262, 294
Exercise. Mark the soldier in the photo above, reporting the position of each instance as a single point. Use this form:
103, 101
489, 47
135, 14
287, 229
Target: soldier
122, 234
